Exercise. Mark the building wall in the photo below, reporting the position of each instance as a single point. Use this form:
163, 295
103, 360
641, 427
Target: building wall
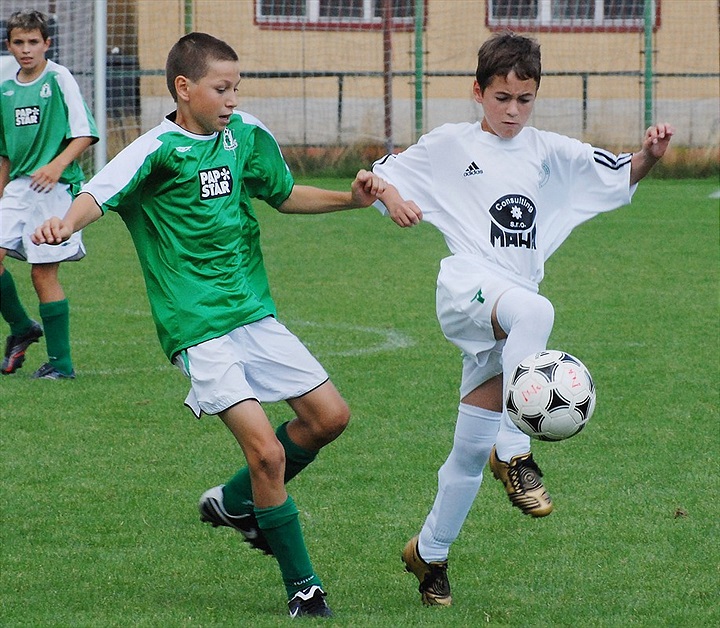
319, 110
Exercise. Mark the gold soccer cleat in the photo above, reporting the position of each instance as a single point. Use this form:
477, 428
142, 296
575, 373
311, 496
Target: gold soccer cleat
521, 478
434, 585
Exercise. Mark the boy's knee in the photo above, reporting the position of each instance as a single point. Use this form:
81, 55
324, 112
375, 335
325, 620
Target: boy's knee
334, 421
522, 308
267, 460
543, 312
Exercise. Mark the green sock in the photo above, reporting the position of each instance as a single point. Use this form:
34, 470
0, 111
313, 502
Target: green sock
281, 527
237, 494
56, 321
11, 308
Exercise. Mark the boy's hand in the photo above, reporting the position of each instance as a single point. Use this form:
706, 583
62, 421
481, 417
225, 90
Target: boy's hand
657, 139
45, 178
366, 188
52, 231
403, 213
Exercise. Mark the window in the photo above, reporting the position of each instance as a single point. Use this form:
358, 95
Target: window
569, 14
333, 13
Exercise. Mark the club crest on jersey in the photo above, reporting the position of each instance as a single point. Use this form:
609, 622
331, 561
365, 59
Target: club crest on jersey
45, 91
543, 173
27, 116
513, 222
215, 182
229, 141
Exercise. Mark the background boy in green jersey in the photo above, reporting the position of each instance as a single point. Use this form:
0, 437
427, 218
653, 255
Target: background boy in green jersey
44, 127
184, 191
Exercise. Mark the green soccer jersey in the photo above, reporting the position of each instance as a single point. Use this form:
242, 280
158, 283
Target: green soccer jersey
186, 200
40, 118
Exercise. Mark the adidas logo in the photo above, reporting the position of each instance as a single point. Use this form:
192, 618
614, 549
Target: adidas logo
472, 169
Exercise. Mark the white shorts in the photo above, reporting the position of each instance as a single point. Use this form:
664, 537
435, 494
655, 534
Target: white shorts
467, 291
262, 361
22, 210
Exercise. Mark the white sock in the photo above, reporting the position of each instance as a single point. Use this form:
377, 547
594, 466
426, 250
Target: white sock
527, 319
458, 480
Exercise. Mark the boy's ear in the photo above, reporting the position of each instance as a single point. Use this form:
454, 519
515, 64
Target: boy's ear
182, 84
477, 92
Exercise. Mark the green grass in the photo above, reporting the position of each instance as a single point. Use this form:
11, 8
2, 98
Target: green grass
100, 476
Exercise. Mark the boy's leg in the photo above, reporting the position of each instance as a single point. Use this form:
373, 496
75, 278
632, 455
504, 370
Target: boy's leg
11, 308
322, 415
276, 513
527, 319
55, 314
459, 480
23, 330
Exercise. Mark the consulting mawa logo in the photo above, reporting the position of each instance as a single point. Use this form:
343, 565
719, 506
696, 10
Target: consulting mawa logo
215, 182
513, 222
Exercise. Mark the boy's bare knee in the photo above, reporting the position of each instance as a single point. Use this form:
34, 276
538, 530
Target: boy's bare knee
321, 417
267, 463
337, 421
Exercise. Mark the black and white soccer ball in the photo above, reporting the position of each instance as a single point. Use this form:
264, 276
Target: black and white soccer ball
551, 395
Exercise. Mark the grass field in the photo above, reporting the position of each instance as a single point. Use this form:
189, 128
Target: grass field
100, 476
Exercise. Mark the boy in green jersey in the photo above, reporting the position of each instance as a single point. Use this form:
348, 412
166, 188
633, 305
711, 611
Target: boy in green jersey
44, 127
184, 191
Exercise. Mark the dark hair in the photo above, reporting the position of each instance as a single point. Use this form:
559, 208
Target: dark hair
507, 52
28, 21
191, 56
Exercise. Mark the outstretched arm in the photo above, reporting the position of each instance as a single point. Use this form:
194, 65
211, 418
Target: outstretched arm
306, 199
82, 212
657, 139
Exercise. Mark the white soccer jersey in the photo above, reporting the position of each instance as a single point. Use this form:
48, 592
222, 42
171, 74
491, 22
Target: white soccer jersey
505, 203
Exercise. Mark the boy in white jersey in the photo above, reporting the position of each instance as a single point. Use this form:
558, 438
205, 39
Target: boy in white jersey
45, 125
504, 196
184, 191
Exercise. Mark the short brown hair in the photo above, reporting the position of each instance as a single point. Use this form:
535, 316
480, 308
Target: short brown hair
507, 52
191, 56
28, 21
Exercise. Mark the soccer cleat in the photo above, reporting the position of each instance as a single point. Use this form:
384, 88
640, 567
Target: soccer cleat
213, 511
309, 602
16, 346
434, 585
48, 371
521, 478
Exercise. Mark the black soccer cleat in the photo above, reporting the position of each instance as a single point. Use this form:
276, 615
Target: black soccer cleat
48, 371
213, 511
310, 602
16, 346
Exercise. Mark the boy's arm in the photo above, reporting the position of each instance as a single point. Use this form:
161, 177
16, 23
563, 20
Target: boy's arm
656, 141
403, 213
82, 212
45, 178
4, 173
306, 199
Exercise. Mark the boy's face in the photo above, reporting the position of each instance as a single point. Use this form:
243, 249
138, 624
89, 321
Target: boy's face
205, 106
28, 48
507, 104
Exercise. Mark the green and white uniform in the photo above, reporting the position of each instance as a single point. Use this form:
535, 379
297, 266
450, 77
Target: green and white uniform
186, 200
37, 122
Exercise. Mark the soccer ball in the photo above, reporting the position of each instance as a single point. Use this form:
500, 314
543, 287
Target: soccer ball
551, 395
